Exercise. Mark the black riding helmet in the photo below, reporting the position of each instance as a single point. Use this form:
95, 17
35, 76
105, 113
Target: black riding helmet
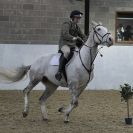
76, 13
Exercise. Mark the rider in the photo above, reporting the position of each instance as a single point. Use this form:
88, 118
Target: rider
71, 36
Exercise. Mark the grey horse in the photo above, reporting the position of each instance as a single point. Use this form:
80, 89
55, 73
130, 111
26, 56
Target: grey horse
79, 72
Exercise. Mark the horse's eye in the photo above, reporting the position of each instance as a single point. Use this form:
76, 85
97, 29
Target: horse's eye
98, 29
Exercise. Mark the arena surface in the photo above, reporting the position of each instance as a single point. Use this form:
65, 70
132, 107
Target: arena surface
98, 112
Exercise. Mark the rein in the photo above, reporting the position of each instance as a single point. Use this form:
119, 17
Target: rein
90, 48
92, 61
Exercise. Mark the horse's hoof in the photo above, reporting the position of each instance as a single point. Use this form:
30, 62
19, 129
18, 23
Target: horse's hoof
25, 114
45, 119
61, 109
66, 121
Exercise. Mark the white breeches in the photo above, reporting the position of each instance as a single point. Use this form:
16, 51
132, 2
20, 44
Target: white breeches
66, 51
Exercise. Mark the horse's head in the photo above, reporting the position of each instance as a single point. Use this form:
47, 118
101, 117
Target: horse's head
101, 36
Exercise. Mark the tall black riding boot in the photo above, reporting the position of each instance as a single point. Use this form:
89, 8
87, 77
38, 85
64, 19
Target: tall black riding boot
62, 64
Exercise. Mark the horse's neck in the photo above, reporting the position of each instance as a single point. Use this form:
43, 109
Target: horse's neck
89, 53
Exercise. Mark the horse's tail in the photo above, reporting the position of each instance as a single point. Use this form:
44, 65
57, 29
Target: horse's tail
13, 75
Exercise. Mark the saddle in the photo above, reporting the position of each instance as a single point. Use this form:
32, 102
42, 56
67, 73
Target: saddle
55, 60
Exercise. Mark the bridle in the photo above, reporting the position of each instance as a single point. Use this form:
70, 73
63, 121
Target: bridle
90, 48
102, 37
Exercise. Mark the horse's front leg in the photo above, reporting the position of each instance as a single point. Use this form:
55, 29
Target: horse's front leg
73, 104
75, 92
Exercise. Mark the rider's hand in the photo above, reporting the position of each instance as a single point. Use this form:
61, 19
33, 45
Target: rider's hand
79, 39
74, 38
79, 42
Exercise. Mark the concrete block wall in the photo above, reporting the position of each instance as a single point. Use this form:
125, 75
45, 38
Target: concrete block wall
105, 11
34, 21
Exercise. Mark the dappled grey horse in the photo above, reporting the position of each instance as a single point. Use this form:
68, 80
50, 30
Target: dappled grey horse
79, 72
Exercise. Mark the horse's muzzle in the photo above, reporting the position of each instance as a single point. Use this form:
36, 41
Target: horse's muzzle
110, 41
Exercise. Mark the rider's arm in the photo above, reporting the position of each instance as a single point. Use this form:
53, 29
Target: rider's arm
81, 34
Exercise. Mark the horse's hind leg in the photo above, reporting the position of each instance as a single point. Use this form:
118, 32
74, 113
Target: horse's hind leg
50, 89
26, 92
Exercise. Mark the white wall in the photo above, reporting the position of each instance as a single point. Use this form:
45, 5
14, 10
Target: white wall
113, 69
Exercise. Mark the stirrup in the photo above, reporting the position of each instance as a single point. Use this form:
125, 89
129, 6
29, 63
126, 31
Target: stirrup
58, 76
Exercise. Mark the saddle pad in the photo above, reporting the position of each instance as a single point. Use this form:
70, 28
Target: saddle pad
55, 60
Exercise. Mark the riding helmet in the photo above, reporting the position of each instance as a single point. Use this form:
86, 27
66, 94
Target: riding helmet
76, 13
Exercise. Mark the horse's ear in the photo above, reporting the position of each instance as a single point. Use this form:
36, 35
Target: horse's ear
100, 23
94, 23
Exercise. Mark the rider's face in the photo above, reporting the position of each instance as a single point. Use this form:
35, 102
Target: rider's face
76, 19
